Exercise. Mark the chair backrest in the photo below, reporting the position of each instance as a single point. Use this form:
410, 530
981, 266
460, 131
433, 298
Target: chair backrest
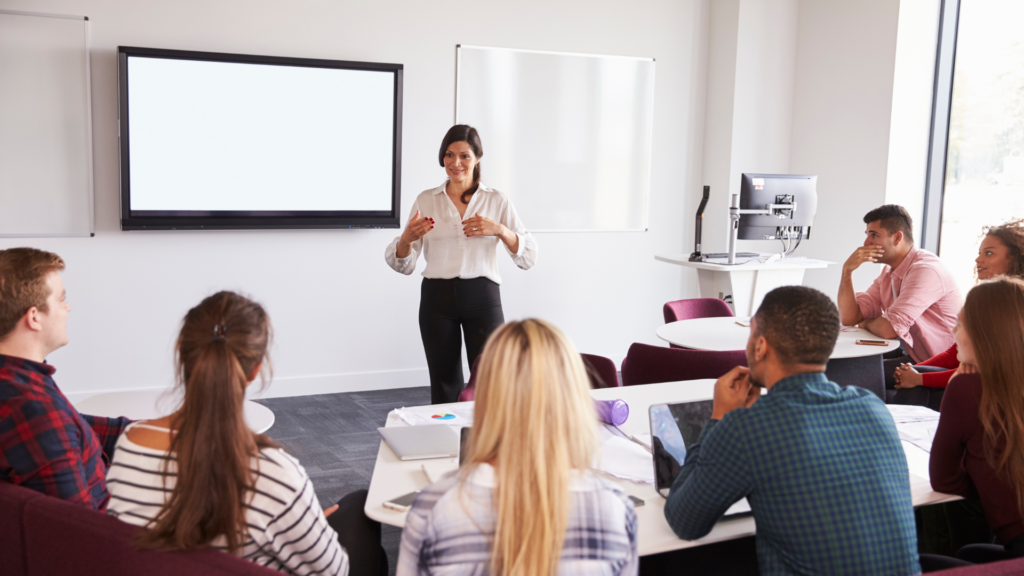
646, 364
601, 370
45, 535
695, 308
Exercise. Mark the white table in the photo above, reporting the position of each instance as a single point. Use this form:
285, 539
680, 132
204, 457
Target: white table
393, 477
152, 404
725, 334
746, 284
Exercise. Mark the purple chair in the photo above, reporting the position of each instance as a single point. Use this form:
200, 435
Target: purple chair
601, 371
696, 308
645, 364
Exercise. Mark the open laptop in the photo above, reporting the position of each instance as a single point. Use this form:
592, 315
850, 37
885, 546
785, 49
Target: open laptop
419, 442
674, 428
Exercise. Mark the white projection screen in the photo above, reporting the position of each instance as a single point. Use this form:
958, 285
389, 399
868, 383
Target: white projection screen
566, 136
224, 141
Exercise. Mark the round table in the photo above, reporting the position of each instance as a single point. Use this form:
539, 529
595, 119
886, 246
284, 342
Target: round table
727, 334
152, 404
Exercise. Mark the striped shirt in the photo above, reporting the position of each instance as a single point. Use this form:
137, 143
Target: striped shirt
450, 527
287, 528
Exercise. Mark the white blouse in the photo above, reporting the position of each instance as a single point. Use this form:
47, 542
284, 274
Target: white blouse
449, 252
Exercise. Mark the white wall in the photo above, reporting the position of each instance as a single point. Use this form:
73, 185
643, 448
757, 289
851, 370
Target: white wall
842, 103
343, 319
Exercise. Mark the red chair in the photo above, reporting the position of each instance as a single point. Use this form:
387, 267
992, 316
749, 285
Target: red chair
645, 364
601, 371
696, 308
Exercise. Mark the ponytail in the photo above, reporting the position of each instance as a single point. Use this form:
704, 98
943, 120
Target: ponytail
222, 342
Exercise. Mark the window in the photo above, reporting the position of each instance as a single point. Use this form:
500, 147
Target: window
980, 180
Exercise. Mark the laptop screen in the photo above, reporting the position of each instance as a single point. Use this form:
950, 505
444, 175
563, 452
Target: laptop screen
674, 428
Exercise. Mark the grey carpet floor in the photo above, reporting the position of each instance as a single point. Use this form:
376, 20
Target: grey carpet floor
335, 438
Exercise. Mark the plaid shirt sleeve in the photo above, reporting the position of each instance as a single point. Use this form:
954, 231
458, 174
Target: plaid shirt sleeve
710, 481
107, 431
41, 448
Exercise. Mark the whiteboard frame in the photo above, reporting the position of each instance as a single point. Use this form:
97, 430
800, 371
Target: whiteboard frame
88, 126
647, 193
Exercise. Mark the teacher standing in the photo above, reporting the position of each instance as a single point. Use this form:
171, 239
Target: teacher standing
458, 226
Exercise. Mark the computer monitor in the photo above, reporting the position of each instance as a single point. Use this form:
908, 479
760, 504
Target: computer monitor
760, 190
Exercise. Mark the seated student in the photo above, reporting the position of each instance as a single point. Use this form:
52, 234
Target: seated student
1001, 253
821, 465
978, 451
914, 298
45, 444
525, 502
200, 477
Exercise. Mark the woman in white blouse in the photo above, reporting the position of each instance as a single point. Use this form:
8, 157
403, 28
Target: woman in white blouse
458, 227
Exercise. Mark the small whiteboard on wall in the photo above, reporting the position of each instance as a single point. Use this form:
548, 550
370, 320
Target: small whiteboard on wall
45, 126
566, 136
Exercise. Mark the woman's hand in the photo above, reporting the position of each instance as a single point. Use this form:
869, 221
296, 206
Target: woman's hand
480, 226
329, 511
964, 368
907, 377
416, 228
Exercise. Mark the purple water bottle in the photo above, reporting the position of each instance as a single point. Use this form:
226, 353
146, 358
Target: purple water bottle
613, 412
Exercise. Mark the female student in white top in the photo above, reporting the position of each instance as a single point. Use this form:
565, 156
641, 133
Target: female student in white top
200, 477
525, 502
458, 227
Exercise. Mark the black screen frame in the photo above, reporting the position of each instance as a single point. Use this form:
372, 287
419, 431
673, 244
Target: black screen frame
253, 220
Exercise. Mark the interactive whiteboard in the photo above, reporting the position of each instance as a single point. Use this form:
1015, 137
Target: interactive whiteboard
566, 136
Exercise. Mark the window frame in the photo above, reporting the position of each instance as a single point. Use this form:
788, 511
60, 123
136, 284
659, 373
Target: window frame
938, 141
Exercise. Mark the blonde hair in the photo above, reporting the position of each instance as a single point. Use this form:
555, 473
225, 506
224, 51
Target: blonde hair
994, 319
535, 421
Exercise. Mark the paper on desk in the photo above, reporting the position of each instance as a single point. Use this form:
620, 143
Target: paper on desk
915, 424
902, 414
425, 415
624, 459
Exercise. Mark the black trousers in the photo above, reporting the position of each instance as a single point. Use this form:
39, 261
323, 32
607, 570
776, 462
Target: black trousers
449, 310
359, 535
917, 396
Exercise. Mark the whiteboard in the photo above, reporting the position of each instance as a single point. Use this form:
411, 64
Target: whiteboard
566, 136
45, 126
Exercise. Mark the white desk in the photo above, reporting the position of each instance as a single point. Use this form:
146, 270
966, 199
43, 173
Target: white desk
745, 283
152, 404
725, 334
392, 477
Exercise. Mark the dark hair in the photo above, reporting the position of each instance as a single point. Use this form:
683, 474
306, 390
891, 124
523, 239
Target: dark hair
468, 134
23, 284
222, 341
1011, 233
894, 218
800, 323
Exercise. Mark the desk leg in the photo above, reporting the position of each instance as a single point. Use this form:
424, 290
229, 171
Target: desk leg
733, 286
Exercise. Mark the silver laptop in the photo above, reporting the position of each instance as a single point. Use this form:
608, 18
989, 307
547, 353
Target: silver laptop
420, 442
674, 428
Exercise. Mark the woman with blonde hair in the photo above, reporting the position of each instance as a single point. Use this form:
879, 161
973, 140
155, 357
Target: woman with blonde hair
978, 450
525, 502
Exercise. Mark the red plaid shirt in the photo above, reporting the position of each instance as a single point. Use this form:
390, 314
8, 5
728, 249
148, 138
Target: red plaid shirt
45, 444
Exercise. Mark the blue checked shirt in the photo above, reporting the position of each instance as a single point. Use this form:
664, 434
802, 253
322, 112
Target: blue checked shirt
450, 527
825, 475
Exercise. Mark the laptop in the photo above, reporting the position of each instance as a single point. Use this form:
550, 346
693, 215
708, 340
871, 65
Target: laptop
420, 442
674, 428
